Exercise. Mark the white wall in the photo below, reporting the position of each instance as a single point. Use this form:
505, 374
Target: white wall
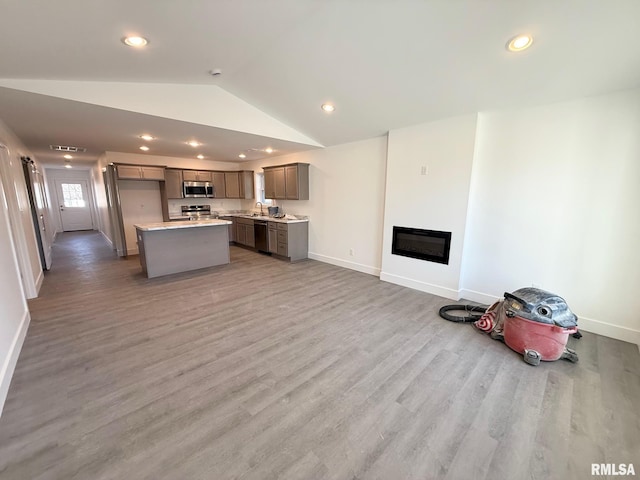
435, 201
346, 198
14, 315
554, 202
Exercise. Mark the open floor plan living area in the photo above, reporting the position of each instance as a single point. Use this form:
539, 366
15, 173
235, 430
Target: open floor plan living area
266, 369
390, 240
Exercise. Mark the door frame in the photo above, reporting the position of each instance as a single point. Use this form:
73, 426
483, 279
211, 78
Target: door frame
9, 176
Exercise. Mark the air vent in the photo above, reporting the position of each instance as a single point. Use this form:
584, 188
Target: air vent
66, 148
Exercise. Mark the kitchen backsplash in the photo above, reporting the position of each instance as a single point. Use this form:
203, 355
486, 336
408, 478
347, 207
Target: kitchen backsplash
219, 205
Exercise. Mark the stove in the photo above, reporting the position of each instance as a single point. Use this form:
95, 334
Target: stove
198, 212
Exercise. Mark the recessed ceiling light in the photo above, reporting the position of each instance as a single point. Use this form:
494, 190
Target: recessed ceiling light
68, 157
242, 155
519, 43
268, 150
68, 166
193, 143
327, 107
135, 41
200, 156
147, 137
144, 148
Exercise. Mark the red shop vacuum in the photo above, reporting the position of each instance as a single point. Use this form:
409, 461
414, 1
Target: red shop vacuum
530, 321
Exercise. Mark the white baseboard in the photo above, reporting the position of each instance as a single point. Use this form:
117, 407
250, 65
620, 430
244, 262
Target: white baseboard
609, 330
422, 286
106, 238
479, 297
587, 324
39, 281
9, 365
346, 264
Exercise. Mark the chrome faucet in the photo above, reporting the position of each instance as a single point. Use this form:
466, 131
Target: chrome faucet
260, 203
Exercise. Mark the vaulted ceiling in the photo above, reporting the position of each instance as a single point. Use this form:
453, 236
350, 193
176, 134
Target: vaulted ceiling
384, 64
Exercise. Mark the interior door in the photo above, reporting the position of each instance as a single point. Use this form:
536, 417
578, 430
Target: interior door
38, 203
73, 202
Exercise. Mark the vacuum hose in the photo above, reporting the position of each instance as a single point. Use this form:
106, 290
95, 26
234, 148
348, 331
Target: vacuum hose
470, 313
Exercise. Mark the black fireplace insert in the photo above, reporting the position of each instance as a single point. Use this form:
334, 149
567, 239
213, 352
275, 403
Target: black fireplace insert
430, 245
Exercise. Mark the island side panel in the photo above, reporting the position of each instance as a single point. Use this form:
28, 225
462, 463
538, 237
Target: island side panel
181, 250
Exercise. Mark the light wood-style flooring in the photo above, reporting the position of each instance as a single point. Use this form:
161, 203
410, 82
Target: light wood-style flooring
266, 370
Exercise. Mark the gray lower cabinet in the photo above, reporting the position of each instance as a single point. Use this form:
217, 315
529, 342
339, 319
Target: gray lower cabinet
287, 240
241, 234
290, 240
232, 229
251, 236
245, 232
273, 237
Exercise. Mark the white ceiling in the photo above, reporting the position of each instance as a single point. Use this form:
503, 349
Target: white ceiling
385, 64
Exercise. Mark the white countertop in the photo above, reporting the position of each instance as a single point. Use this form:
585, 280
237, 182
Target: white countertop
149, 227
269, 219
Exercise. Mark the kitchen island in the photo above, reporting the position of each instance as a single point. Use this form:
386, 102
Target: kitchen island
174, 247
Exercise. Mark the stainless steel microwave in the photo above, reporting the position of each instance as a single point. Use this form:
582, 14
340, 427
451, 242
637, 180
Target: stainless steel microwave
198, 190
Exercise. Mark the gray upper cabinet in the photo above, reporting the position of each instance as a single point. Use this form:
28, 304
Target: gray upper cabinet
196, 176
269, 183
287, 182
274, 183
239, 184
140, 172
173, 183
297, 181
246, 184
218, 184
232, 184
279, 181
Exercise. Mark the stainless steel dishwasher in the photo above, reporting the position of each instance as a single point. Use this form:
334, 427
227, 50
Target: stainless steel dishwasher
262, 240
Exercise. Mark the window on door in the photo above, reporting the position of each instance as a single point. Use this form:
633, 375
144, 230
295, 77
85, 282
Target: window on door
72, 195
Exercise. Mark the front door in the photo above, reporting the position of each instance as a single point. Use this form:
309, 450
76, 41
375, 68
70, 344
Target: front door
73, 202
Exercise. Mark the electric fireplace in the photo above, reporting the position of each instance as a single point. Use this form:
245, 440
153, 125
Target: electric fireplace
430, 245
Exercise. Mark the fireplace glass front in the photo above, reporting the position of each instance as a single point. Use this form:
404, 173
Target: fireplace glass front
430, 245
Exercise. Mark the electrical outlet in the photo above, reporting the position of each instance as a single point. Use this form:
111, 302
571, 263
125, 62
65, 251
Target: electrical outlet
424, 170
